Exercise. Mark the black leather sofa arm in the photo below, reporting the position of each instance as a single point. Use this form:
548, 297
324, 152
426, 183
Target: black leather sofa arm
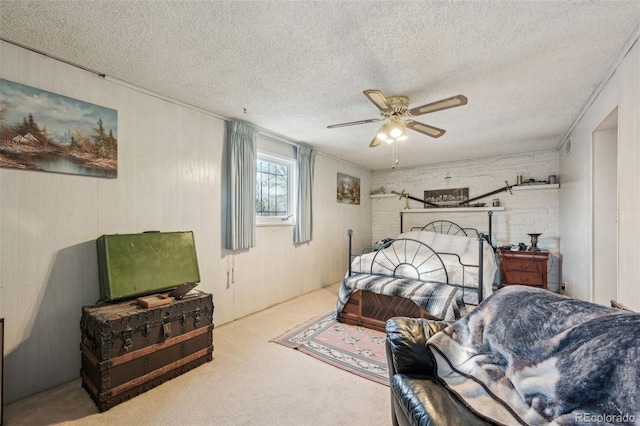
407, 352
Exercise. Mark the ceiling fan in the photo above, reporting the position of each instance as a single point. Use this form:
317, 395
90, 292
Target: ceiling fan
396, 110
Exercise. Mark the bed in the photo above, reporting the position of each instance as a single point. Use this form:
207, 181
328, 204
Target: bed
435, 271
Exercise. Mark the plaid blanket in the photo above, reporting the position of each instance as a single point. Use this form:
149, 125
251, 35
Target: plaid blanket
440, 300
530, 356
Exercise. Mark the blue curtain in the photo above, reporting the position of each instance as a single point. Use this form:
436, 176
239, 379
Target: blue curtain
306, 158
241, 167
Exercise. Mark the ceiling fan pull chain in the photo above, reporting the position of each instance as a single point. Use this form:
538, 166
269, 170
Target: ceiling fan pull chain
394, 154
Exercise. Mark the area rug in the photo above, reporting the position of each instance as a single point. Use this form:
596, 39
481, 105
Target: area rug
355, 349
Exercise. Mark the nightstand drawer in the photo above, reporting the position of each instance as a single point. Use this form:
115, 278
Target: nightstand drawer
524, 278
521, 265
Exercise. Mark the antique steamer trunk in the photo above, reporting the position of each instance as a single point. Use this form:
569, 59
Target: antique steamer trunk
131, 265
128, 349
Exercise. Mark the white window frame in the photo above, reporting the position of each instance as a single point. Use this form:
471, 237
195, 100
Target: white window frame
290, 218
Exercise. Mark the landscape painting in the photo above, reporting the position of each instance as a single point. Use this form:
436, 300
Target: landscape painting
44, 131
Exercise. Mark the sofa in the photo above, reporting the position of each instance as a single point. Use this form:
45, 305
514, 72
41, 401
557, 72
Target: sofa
523, 356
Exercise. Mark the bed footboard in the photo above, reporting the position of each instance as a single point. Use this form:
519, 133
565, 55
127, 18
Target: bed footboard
372, 310
410, 258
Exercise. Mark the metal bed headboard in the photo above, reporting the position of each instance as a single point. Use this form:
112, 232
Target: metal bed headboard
481, 239
462, 230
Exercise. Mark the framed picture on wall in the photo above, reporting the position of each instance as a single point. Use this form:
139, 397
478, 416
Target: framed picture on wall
348, 189
47, 132
446, 197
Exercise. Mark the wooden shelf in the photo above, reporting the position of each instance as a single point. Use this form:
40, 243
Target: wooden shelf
541, 186
455, 210
471, 209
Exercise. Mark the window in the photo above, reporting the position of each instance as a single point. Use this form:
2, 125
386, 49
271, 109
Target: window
275, 189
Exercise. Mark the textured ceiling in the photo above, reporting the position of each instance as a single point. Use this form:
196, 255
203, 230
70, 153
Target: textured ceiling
527, 68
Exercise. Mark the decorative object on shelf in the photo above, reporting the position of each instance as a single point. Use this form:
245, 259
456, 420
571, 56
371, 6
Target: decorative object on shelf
348, 189
536, 182
534, 242
378, 191
496, 202
519, 180
447, 197
549, 180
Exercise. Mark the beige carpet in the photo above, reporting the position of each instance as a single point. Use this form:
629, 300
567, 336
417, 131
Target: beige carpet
251, 381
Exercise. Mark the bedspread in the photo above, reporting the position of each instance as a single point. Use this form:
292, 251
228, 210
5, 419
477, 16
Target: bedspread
440, 300
461, 251
530, 356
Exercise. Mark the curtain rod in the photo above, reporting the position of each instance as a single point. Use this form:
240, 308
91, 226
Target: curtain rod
289, 141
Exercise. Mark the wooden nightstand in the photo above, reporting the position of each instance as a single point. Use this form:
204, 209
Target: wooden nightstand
524, 268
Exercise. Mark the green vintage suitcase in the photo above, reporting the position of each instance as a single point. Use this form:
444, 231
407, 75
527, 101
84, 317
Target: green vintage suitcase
131, 265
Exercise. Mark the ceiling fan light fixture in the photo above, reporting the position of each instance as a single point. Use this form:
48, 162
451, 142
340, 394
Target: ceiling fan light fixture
395, 109
396, 129
384, 132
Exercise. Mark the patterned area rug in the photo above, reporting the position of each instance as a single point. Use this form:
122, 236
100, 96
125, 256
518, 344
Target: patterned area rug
355, 349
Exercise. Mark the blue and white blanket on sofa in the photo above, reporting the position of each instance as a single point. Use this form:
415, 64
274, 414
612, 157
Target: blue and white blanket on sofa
530, 356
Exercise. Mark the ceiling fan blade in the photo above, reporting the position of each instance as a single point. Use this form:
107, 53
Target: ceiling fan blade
451, 102
379, 100
375, 142
425, 129
353, 123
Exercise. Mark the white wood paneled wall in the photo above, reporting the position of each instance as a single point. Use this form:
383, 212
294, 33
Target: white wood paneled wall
169, 179
621, 91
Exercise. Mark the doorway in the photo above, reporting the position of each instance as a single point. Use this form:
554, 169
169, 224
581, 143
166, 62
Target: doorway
605, 210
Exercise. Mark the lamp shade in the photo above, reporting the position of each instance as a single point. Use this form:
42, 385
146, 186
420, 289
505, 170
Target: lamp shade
395, 129
403, 136
383, 133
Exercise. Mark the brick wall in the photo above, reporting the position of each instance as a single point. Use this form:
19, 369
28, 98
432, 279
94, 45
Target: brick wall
525, 211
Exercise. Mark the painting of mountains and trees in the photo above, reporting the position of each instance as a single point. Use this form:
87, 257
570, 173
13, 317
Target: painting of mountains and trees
44, 131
